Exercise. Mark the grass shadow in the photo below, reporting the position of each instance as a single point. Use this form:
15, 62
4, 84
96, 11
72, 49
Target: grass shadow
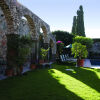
85, 75
36, 85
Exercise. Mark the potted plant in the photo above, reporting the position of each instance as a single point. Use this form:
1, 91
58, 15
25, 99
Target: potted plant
33, 63
33, 66
21, 58
44, 53
60, 46
23, 52
18, 48
9, 71
80, 52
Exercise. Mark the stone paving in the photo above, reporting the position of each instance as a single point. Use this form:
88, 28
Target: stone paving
87, 63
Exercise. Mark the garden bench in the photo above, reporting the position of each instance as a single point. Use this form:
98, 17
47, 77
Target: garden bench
65, 58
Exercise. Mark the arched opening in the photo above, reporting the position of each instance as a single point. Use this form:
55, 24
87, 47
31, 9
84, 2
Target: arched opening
42, 39
24, 28
27, 27
44, 30
31, 24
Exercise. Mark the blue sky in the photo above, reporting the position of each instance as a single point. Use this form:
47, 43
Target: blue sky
59, 14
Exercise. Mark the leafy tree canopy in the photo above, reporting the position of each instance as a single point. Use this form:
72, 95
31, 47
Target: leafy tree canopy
79, 50
84, 41
63, 36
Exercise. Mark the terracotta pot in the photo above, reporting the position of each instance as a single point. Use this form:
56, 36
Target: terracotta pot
33, 66
21, 69
80, 62
41, 61
9, 72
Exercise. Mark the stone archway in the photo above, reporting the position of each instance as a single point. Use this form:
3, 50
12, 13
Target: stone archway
13, 14
8, 17
32, 32
27, 25
45, 37
31, 24
44, 30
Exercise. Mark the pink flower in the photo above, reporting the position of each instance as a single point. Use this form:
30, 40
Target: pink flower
59, 42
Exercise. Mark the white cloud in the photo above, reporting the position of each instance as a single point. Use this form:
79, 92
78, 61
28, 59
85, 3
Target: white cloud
93, 32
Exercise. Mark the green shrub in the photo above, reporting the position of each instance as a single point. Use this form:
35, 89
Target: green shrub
84, 41
44, 53
79, 51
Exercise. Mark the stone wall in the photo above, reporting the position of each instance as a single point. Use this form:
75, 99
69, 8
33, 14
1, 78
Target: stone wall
3, 39
17, 19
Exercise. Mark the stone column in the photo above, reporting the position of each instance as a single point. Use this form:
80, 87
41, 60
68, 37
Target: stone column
37, 51
46, 45
54, 52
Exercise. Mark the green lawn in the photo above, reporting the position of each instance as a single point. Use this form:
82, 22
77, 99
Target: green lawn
53, 84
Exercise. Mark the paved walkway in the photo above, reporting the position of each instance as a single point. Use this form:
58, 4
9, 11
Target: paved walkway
2, 77
87, 63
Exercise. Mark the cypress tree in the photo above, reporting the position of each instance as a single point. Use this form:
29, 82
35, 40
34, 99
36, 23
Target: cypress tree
80, 22
74, 25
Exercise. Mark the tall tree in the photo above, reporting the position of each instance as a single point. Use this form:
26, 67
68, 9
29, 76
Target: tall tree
74, 25
80, 22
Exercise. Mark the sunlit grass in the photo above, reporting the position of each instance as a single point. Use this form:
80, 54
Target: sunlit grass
53, 84
75, 86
